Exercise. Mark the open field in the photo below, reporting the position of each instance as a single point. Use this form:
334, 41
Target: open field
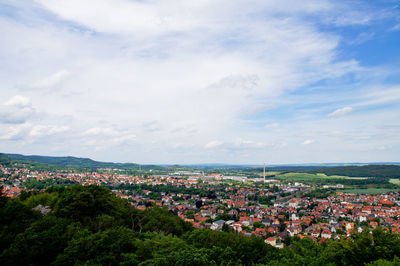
272, 173
268, 173
309, 177
371, 191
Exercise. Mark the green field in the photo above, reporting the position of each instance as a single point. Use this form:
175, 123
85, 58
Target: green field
309, 177
371, 191
269, 173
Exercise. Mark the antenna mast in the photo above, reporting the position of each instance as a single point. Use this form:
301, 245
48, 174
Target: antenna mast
264, 173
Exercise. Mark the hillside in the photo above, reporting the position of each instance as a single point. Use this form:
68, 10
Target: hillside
386, 171
373, 170
69, 161
91, 226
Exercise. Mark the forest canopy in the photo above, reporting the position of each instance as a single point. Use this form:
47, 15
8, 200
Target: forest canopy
90, 225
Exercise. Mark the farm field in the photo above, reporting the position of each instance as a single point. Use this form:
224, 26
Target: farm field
309, 177
371, 191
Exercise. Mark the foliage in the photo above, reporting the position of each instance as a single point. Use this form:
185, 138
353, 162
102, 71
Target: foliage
51, 163
319, 193
167, 189
32, 183
91, 226
361, 171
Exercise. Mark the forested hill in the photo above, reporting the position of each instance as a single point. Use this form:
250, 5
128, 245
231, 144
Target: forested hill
69, 161
373, 170
360, 171
91, 226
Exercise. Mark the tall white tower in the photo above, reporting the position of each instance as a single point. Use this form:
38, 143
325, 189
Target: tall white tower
264, 173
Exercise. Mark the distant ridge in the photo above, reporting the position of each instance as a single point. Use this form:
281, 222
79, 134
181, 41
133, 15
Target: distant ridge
382, 169
385, 171
70, 161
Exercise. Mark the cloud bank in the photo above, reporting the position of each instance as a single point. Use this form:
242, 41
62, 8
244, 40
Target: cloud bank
196, 81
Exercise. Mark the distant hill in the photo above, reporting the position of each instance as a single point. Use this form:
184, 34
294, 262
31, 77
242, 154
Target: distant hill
355, 170
69, 161
219, 166
361, 171
281, 167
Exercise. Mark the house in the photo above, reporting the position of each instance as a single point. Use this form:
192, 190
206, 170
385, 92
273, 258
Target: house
315, 233
386, 202
217, 225
266, 221
326, 234
362, 217
271, 240
201, 218
279, 245
294, 216
294, 203
349, 226
291, 231
237, 227
396, 230
260, 232
373, 224
272, 230
197, 225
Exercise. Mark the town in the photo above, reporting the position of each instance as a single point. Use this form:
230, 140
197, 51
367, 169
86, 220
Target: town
268, 208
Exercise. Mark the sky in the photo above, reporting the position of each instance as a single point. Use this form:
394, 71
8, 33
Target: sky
201, 81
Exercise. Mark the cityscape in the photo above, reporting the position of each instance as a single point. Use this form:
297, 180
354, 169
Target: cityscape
199, 132
269, 208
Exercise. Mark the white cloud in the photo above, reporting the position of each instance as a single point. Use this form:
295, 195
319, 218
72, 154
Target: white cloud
101, 131
51, 80
395, 27
159, 17
107, 136
341, 111
383, 148
249, 144
363, 37
182, 72
27, 131
308, 142
18, 101
377, 96
124, 138
46, 130
239, 144
16, 110
15, 132
109, 16
272, 125
213, 144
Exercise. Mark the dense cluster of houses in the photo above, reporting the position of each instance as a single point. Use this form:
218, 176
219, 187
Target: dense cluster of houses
236, 207
326, 218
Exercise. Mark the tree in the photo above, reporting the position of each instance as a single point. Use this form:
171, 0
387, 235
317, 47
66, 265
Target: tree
102, 248
39, 244
199, 204
189, 215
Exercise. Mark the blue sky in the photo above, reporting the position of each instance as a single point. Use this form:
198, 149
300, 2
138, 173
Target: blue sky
201, 81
